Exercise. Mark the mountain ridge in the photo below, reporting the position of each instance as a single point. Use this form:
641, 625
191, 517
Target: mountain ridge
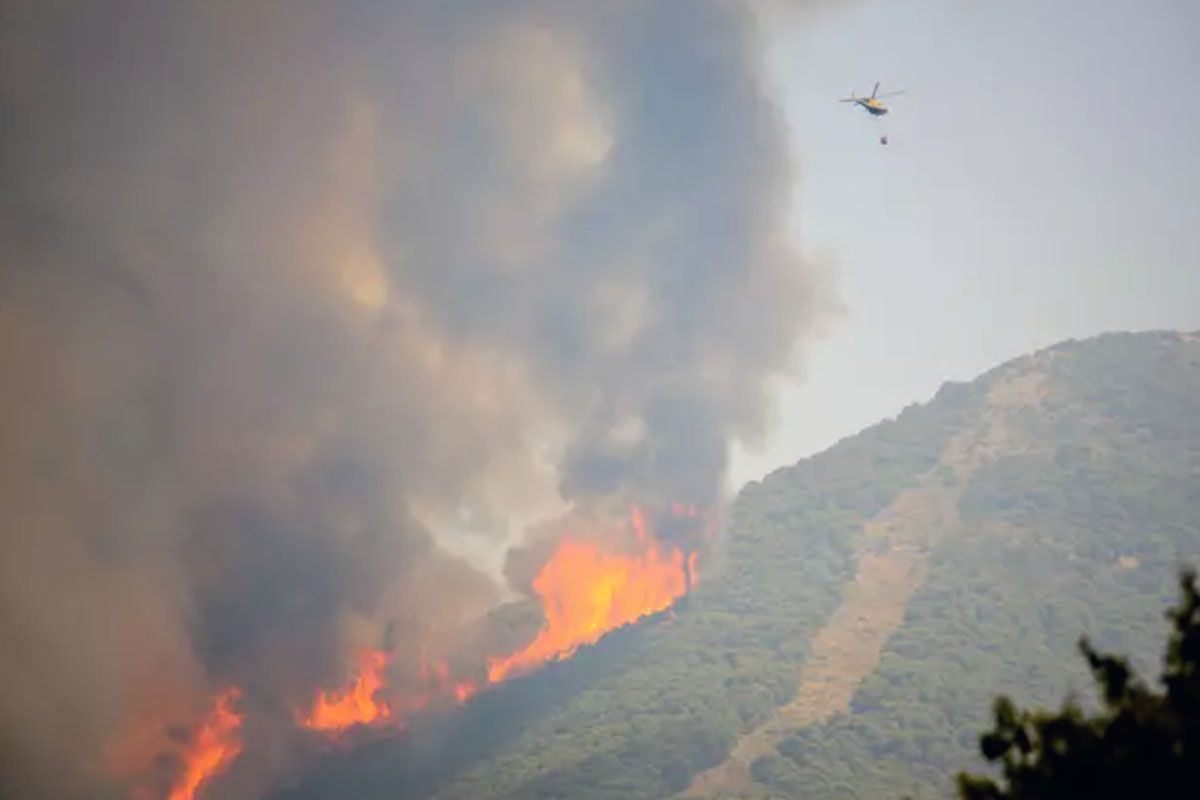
1049, 497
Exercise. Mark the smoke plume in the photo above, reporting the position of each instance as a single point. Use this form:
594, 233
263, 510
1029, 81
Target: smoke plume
307, 309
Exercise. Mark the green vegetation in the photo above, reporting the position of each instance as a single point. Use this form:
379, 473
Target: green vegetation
1072, 480
1079, 535
1142, 743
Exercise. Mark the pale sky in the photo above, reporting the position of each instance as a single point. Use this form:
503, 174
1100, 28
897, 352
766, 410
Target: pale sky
1042, 182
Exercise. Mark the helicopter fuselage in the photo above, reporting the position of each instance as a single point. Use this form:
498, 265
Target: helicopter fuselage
873, 103
872, 106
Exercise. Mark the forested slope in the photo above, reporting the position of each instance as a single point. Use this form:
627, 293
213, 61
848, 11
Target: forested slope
1081, 497
867, 604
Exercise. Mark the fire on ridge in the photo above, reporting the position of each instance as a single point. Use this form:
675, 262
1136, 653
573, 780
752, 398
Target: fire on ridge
586, 589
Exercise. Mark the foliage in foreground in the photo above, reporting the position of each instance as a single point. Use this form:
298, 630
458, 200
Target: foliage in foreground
1142, 742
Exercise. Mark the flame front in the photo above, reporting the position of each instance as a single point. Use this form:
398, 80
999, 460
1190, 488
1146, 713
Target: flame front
215, 744
356, 705
586, 592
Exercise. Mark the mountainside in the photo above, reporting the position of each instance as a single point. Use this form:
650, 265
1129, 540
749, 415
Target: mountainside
866, 606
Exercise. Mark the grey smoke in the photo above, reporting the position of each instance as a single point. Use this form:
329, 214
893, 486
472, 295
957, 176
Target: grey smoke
286, 287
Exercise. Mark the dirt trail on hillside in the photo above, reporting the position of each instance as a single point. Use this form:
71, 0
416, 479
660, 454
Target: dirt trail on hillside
847, 648
891, 565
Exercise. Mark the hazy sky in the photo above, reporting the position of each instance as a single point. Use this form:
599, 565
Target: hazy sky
1042, 182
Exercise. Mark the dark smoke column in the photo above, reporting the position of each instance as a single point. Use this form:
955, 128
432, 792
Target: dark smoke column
289, 290
665, 293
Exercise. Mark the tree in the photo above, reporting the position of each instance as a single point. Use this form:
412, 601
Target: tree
1142, 742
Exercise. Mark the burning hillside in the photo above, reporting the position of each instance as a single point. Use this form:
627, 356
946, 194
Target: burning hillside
584, 591
334, 711
312, 318
213, 747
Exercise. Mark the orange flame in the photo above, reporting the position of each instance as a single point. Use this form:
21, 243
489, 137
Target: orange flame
214, 746
586, 592
464, 691
356, 705
334, 712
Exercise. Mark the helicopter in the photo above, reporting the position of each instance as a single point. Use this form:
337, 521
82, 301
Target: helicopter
873, 104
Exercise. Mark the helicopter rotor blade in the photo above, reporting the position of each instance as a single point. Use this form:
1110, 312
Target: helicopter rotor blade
891, 94
876, 89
